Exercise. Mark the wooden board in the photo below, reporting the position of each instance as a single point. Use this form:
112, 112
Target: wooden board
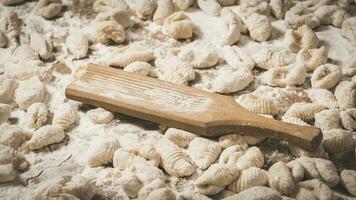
200, 112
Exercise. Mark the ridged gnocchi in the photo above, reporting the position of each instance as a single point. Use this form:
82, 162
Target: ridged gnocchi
304, 111
345, 94
323, 97
337, 140
326, 76
280, 178
232, 81
109, 31
36, 115
65, 116
179, 137
46, 135
226, 141
144, 8
248, 178
258, 104
236, 58
203, 152
164, 9
302, 38
178, 25
252, 157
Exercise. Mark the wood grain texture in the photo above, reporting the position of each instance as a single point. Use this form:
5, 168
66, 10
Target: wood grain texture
204, 113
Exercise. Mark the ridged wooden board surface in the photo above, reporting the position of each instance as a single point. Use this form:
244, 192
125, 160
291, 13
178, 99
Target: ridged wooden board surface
204, 113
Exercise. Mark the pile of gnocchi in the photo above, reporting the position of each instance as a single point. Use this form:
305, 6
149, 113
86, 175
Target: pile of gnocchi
290, 60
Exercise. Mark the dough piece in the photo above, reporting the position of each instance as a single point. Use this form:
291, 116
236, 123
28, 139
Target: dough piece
348, 119
259, 26
232, 81
5, 112
319, 152
109, 31
101, 150
209, 7
198, 57
41, 45
36, 115
25, 56
312, 58
7, 173
326, 76
65, 116
147, 189
164, 9
248, 178
304, 111
337, 141
248, 7
327, 171
328, 119
297, 170
148, 152
280, 7
215, 178
226, 141
280, 178
267, 58
253, 157
130, 184
323, 97
345, 94
348, 180
29, 92
349, 68
179, 137
173, 159
122, 59
141, 68
348, 29
203, 152
231, 27
331, 15
175, 71
290, 75
101, 6
310, 170
126, 160
256, 193
121, 16
318, 188
183, 4
46, 135
147, 173
302, 38
231, 154
49, 9
303, 193
258, 105
77, 44
12, 135
178, 26
7, 89
100, 116
301, 14
236, 58
144, 8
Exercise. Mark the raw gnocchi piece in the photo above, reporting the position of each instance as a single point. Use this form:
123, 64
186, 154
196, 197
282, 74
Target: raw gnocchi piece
148, 152
215, 178
337, 141
327, 119
179, 137
327, 171
300, 15
326, 76
209, 7
331, 15
5, 112
290, 75
125, 160
101, 150
267, 58
121, 16
46, 135
109, 31
144, 8
302, 38
294, 120
296, 170
175, 71
349, 68
348, 119
304, 111
348, 29
29, 92
147, 173
198, 57
36, 115
203, 152
3, 40
147, 189
7, 89
43, 73
256, 193
312, 58
129, 56
226, 141
183, 4
77, 44
231, 154
7, 173
100, 116
24, 55
248, 7
310, 170
49, 9
348, 178
345, 94
303, 193
280, 7
318, 188
323, 97
178, 26
248, 178
259, 27
130, 183
253, 157
65, 116
280, 178
164, 9
12, 135
256, 104
231, 27
41, 45
173, 159
236, 58
232, 81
